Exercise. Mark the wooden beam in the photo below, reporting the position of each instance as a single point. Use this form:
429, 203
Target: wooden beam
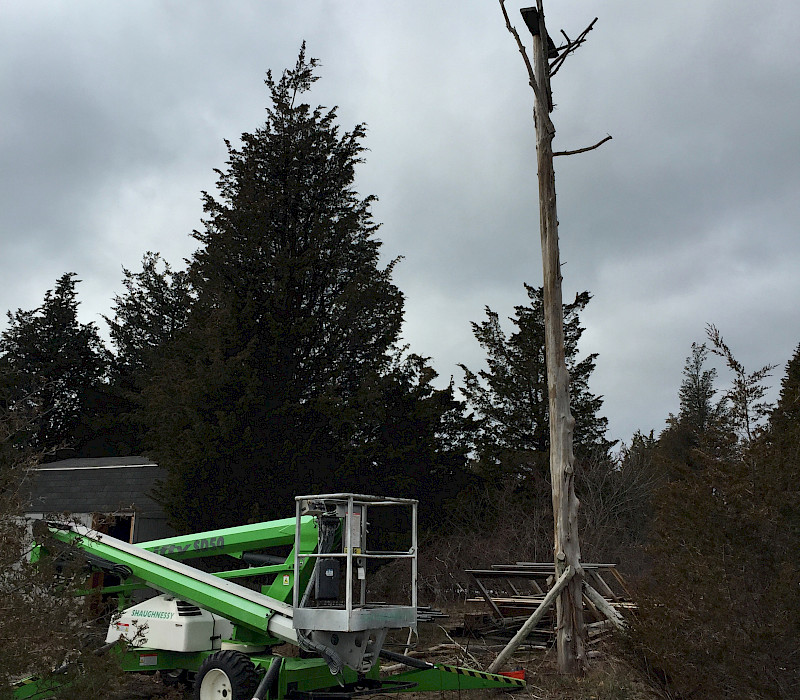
488, 598
532, 621
604, 607
604, 587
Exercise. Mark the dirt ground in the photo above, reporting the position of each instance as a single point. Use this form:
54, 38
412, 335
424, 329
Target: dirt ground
607, 678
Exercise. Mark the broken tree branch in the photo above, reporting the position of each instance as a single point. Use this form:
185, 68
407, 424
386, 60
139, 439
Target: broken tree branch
531, 77
569, 47
582, 150
464, 650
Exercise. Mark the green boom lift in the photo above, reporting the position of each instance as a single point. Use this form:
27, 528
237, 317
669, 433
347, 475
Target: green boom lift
208, 629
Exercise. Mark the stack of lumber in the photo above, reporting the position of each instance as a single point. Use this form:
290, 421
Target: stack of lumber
509, 593
425, 613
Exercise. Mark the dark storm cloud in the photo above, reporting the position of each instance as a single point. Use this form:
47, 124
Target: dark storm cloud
114, 115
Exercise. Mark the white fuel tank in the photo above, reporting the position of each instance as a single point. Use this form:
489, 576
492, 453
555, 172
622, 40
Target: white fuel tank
164, 622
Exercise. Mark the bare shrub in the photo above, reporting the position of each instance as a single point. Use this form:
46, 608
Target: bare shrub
513, 522
485, 526
44, 626
616, 496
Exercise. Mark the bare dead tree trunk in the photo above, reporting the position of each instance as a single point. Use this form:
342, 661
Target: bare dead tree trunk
569, 604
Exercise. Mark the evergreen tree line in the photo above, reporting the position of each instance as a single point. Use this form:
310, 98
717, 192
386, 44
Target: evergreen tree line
273, 365
718, 584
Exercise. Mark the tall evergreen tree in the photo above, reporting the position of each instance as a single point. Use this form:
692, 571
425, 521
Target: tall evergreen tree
414, 435
787, 409
58, 366
698, 410
294, 316
510, 397
777, 458
747, 391
152, 311
704, 421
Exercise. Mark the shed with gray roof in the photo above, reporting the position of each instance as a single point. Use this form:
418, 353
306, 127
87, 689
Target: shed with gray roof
113, 494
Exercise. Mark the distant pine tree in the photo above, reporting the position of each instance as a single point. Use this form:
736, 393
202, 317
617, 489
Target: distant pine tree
698, 409
787, 411
510, 398
153, 310
57, 367
704, 425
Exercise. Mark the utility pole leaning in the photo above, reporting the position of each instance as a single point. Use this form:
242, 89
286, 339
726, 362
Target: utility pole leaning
568, 587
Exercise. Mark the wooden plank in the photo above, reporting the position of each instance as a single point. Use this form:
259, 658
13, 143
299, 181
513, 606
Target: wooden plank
488, 598
617, 575
507, 573
605, 589
604, 607
533, 620
593, 611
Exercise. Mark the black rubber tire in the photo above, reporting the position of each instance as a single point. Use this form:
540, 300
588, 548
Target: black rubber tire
242, 679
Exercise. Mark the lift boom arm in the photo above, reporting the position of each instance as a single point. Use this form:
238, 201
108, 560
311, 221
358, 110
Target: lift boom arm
238, 604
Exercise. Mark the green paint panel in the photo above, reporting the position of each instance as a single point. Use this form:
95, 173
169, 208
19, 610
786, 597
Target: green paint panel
159, 660
313, 674
253, 571
234, 540
33, 689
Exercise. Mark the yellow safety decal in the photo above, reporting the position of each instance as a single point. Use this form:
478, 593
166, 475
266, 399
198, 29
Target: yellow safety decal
486, 676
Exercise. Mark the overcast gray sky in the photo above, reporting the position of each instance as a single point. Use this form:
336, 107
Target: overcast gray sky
113, 115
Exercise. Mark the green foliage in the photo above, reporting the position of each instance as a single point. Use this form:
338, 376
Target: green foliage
719, 616
289, 251
787, 411
408, 438
152, 311
150, 314
746, 395
703, 427
57, 366
698, 411
510, 398
777, 454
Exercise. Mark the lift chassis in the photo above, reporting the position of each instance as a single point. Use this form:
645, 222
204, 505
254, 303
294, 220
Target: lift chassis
209, 629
